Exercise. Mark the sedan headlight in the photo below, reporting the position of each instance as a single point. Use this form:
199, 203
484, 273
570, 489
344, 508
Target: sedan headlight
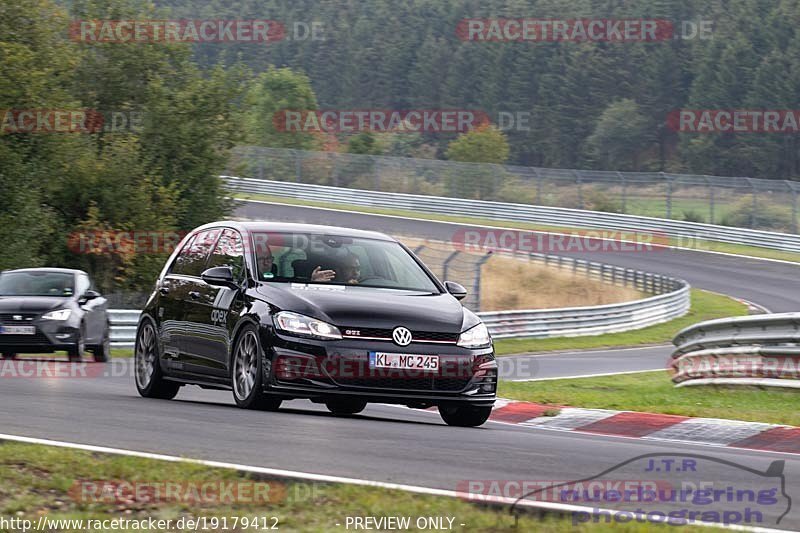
475, 337
61, 314
305, 326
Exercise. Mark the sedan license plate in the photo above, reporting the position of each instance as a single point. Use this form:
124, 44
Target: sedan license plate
17, 330
403, 361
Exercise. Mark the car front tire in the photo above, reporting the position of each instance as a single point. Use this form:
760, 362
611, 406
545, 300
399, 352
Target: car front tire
464, 415
150, 380
102, 352
75, 353
246, 374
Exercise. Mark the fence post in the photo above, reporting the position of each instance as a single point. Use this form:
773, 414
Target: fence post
478, 278
794, 205
298, 167
624, 191
579, 184
376, 169
710, 199
538, 185
669, 194
446, 265
755, 204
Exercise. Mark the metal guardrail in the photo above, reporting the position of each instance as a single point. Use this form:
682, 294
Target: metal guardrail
752, 350
550, 216
671, 300
763, 204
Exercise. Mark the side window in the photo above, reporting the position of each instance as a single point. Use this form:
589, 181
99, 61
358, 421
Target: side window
182, 258
229, 252
192, 259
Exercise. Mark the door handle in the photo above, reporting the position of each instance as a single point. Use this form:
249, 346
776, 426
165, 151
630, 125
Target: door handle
164, 290
194, 295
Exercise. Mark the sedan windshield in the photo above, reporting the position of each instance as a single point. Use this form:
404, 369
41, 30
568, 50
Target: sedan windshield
338, 260
37, 284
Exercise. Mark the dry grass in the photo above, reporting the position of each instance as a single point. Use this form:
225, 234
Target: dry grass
513, 284
509, 283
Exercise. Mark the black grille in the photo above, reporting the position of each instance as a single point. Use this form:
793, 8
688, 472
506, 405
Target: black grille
24, 340
418, 336
418, 384
8, 318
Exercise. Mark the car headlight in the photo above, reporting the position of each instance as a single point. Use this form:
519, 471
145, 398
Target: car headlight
475, 337
61, 314
305, 326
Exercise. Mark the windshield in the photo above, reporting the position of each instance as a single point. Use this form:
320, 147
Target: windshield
37, 284
338, 260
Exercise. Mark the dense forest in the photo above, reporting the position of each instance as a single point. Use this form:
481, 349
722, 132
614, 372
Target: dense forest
597, 105
593, 105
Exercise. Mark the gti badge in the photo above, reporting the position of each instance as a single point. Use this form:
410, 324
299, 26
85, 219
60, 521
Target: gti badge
401, 336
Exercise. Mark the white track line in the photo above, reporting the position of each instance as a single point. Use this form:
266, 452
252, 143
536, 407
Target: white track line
497, 500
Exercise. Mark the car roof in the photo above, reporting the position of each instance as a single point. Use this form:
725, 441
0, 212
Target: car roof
256, 226
48, 269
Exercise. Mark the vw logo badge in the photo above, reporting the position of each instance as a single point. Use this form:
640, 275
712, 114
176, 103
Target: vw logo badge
401, 336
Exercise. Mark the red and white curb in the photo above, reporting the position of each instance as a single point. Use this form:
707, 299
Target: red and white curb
651, 426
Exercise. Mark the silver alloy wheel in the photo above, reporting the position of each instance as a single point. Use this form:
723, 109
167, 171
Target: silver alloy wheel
145, 358
245, 365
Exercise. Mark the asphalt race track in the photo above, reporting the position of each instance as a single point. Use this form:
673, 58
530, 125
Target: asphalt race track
384, 443
395, 444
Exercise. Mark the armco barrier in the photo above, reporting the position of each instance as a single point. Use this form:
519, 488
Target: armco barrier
551, 216
671, 300
753, 350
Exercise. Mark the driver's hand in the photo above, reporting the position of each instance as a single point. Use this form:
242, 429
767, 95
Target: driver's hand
322, 275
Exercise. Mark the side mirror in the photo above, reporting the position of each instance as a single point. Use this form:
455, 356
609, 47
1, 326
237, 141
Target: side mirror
219, 276
88, 296
457, 290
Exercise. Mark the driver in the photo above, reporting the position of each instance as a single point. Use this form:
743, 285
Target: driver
351, 270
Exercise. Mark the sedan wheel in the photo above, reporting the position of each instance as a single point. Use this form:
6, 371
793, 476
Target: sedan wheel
102, 352
149, 380
246, 374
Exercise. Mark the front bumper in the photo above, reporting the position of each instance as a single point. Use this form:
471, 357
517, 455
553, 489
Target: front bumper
326, 369
50, 336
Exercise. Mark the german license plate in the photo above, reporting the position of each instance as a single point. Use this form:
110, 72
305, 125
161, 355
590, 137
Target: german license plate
17, 330
403, 361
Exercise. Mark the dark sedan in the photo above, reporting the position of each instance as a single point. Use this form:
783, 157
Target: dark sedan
338, 316
44, 310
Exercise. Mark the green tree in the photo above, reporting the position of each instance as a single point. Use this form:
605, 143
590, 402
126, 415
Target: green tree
619, 137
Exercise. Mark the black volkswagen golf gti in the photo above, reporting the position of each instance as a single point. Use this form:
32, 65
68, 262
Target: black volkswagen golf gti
338, 316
